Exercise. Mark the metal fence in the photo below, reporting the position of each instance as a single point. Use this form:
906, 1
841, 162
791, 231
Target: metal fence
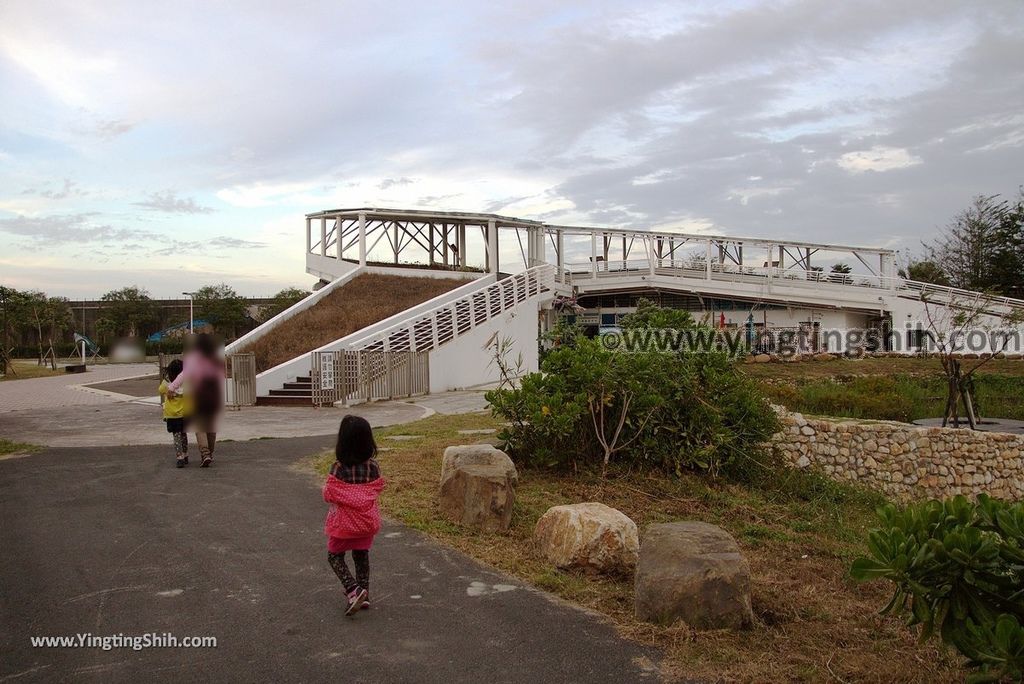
241, 385
358, 376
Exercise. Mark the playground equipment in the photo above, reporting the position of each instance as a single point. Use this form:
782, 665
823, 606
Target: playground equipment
83, 344
180, 330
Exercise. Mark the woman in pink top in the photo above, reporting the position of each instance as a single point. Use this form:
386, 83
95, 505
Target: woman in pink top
204, 378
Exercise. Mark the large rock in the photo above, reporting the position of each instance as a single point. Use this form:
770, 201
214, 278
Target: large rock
476, 454
478, 487
694, 572
591, 536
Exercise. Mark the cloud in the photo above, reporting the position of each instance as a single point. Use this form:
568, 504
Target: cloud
170, 203
878, 158
62, 229
392, 182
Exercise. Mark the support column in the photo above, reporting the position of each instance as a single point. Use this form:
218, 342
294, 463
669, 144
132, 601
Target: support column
323, 236
492, 246
593, 255
560, 256
707, 261
309, 235
338, 243
430, 244
462, 247
362, 239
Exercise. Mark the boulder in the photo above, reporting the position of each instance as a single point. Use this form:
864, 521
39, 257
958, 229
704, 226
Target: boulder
476, 454
762, 358
692, 571
824, 356
590, 536
478, 487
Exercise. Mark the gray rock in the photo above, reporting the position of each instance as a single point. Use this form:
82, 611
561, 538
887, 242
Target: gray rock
476, 454
694, 572
478, 495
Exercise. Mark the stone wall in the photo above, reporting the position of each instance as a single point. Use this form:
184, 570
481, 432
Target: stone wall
904, 461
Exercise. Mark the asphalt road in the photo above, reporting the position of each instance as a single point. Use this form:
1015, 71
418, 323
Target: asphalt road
116, 541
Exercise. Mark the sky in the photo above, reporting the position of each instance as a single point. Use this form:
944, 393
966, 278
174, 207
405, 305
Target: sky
172, 145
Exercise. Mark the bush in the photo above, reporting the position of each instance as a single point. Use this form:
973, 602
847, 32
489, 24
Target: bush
673, 412
957, 567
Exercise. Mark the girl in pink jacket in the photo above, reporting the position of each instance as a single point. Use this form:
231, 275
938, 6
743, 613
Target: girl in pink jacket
352, 489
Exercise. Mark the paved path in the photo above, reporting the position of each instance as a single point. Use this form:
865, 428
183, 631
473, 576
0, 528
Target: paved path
135, 423
115, 540
66, 390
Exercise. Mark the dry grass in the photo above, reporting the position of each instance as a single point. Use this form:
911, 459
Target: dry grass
798, 532
365, 300
812, 370
27, 369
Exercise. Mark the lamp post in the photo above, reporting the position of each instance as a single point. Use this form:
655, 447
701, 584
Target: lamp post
191, 316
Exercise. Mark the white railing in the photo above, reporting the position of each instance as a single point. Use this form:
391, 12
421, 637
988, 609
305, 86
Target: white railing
442, 324
760, 275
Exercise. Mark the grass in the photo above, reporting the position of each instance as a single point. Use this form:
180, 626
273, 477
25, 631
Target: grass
886, 389
799, 531
365, 300
27, 369
895, 397
7, 448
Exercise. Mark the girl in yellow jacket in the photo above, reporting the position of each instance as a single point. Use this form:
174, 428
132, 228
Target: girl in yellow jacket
177, 410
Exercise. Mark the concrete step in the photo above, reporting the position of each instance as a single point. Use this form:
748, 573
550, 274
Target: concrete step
284, 401
304, 378
291, 393
308, 386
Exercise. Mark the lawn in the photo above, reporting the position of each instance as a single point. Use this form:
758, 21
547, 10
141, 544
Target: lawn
8, 448
26, 369
886, 389
798, 531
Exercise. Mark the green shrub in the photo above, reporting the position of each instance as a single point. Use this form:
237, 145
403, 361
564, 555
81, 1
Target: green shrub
957, 567
592, 406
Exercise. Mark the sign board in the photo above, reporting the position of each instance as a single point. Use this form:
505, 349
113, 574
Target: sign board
327, 370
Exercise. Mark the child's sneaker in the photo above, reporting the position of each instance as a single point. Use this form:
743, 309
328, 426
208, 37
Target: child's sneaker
355, 601
180, 463
366, 601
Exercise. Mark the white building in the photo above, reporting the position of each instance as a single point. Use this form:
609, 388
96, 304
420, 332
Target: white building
516, 268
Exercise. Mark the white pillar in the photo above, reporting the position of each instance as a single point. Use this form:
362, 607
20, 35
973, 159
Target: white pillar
309, 235
362, 239
560, 256
323, 236
707, 261
338, 244
652, 260
492, 246
593, 254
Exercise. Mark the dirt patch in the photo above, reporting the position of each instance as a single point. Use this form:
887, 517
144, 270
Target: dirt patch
363, 301
799, 533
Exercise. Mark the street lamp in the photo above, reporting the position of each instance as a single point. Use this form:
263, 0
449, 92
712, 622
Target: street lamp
191, 317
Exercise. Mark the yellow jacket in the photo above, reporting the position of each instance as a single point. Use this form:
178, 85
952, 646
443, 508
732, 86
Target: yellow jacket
178, 406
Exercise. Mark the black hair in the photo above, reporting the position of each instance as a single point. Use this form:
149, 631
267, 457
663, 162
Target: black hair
355, 441
174, 369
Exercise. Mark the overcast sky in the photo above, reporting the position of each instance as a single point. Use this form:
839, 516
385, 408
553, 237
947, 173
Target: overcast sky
177, 144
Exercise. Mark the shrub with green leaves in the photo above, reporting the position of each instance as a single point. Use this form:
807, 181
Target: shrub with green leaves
589, 405
958, 568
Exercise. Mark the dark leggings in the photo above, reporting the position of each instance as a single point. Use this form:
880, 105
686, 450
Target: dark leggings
361, 559
180, 444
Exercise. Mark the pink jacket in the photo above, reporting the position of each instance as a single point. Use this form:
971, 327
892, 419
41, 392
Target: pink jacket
197, 368
354, 512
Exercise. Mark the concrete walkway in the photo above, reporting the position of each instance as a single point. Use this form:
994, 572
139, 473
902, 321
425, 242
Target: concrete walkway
112, 541
66, 390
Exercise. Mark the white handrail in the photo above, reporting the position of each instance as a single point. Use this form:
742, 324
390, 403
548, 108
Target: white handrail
431, 329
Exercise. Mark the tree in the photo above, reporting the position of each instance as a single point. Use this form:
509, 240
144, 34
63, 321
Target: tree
925, 272
1009, 250
650, 315
14, 313
284, 299
952, 323
841, 273
222, 306
969, 250
126, 312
